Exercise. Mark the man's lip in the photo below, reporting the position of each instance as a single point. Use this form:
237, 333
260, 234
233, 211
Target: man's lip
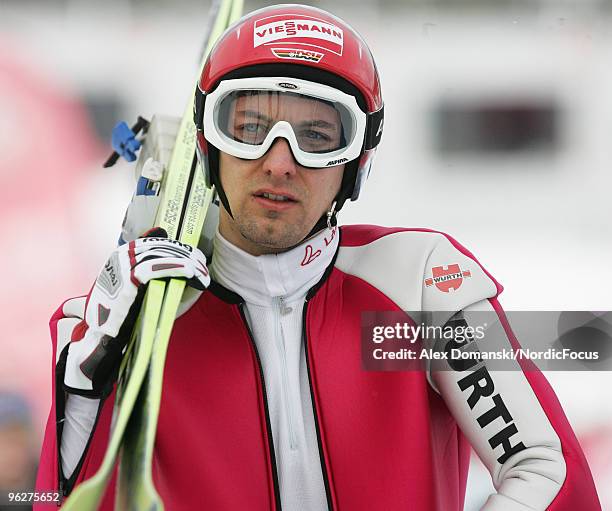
274, 205
259, 193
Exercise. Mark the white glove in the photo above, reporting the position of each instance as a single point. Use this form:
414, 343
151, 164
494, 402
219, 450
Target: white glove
97, 342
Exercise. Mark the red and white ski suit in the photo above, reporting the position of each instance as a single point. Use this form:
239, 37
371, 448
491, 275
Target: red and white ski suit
368, 440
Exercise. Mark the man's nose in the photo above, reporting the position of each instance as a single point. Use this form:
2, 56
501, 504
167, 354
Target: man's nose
279, 159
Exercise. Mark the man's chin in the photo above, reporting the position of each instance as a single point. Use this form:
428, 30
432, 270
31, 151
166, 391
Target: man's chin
271, 234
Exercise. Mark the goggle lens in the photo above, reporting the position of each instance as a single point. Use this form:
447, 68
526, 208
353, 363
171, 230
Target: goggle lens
320, 126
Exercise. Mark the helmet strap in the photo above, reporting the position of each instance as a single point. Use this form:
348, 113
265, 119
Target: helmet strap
332, 221
215, 178
330, 218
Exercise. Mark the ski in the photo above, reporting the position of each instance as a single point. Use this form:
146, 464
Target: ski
184, 203
136, 489
88, 494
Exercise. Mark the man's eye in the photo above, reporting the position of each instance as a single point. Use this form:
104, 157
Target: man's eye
252, 127
250, 132
315, 136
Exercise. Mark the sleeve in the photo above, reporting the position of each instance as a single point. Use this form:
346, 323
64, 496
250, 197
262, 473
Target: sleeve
80, 417
50, 477
511, 417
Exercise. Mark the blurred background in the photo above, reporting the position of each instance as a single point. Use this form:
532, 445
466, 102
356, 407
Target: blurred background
497, 131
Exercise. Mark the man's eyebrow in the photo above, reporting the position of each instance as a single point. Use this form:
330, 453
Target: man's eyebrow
315, 123
254, 114
318, 123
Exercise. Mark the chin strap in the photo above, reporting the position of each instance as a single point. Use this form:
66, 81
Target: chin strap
330, 218
331, 215
215, 178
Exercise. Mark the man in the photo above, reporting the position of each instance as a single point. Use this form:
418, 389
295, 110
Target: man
265, 403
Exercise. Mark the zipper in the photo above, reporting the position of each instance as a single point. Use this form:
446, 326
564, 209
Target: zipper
280, 309
277, 500
60, 408
61, 498
330, 506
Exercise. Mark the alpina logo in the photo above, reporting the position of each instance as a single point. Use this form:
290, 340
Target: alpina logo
447, 277
287, 85
300, 30
336, 162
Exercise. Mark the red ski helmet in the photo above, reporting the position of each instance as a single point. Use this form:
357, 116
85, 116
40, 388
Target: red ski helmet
294, 47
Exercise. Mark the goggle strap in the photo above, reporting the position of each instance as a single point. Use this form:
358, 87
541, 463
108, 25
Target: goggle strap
374, 128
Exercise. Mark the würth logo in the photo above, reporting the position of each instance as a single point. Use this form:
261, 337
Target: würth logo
300, 30
447, 277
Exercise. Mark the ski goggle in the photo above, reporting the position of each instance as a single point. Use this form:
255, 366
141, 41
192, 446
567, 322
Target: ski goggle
323, 126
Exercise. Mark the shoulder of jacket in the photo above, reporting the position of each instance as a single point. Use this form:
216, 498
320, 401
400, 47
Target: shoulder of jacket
373, 244
413, 267
361, 235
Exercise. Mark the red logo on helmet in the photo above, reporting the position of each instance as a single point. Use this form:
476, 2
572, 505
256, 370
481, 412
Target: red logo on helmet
299, 30
447, 277
297, 54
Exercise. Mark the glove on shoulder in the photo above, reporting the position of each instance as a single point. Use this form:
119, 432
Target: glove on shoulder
98, 341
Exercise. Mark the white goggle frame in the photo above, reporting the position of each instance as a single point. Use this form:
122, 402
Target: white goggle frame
283, 129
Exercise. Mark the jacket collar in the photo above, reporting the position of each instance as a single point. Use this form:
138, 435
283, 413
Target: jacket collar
259, 279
